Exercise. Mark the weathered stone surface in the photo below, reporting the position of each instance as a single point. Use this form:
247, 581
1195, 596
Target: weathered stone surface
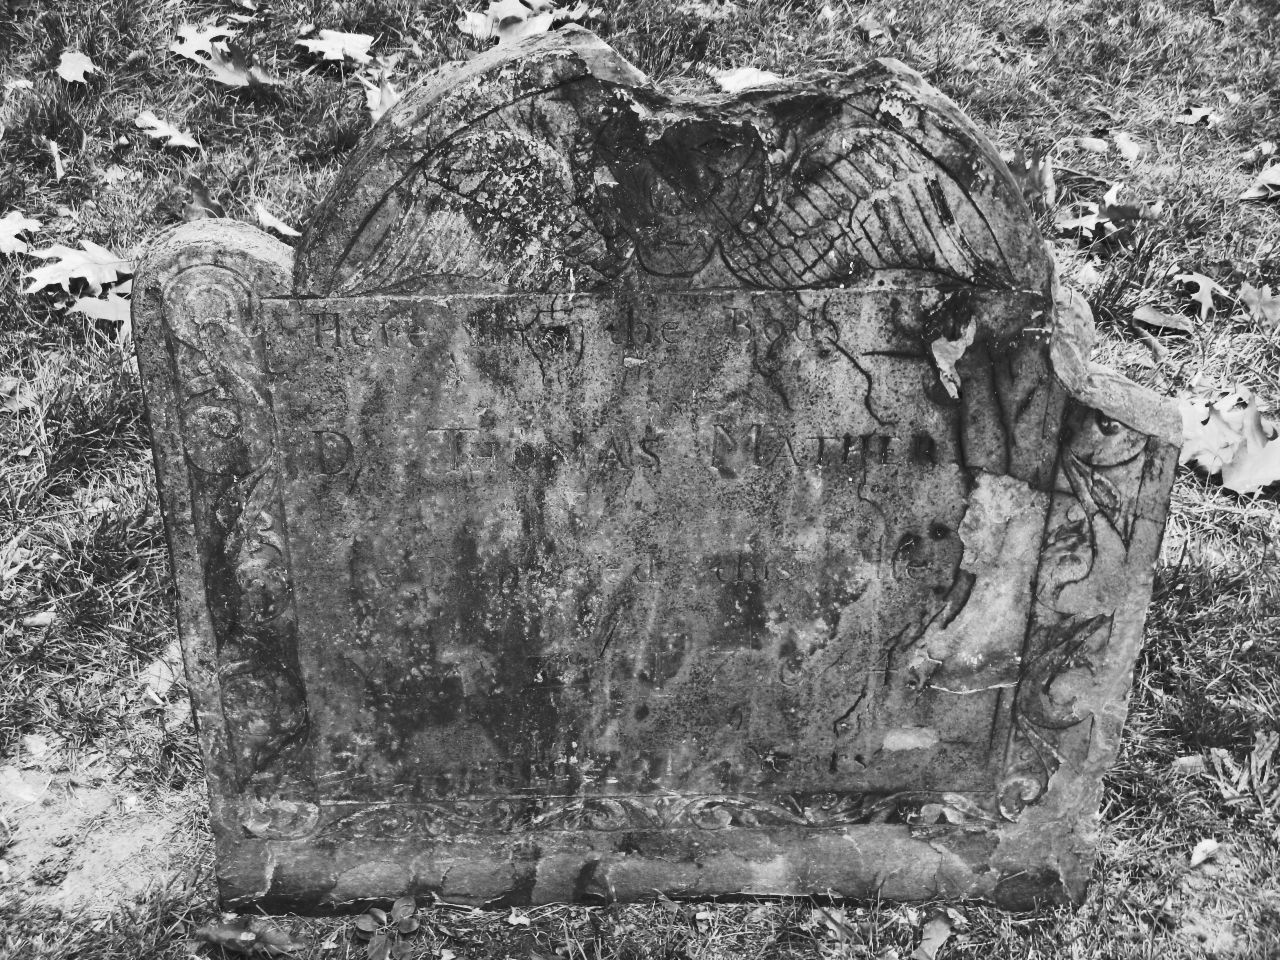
618, 493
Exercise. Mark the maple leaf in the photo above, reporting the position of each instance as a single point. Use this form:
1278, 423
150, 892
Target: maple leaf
1266, 186
743, 78
93, 264
380, 96
153, 126
271, 222
335, 45
11, 224
74, 65
1206, 287
1130, 149
1263, 304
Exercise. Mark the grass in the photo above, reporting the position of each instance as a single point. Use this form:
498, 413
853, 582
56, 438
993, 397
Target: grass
85, 602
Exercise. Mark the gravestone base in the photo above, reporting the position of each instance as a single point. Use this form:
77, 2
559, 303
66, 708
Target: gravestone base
618, 493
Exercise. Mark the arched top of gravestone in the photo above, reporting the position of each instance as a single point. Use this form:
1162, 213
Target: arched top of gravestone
554, 165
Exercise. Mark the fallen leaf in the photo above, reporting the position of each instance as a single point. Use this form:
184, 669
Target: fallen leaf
1206, 287
1193, 116
517, 918
743, 78
20, 84
1089, 144
235, 67
508, 21
1204, 850
379, 948
154, 127
74, 65
1263, 304
1158, 318
11, 224
93, 264
1256, 463
936, 932
201, 205
1259, 152
1266, 186
1208, 439
37, 620
270, 222
114, 307
1122, 214
1130, 149
196, 43
404, 908
380, 96
335, 45
215, 49
249, 936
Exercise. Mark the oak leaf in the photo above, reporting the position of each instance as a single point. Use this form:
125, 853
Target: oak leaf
379, 94
743, 78
1205, 288
154, 127
1230, 436
1263, 304
508, 21
93, 264
11, 224
215, 49
1266, 186
336, 45
73, 65
271, 222
1195, 116
196, 43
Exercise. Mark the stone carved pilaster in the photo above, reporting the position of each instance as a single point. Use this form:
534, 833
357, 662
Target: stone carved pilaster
208, 378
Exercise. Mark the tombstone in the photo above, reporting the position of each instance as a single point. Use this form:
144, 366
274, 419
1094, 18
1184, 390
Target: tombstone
616, 493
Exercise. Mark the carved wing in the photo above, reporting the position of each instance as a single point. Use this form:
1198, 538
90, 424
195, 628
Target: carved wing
504, 186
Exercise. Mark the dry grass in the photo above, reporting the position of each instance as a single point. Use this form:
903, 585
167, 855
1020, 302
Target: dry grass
84, 597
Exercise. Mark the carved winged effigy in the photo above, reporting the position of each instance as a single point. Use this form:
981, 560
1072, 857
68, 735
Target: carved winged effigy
617, 493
